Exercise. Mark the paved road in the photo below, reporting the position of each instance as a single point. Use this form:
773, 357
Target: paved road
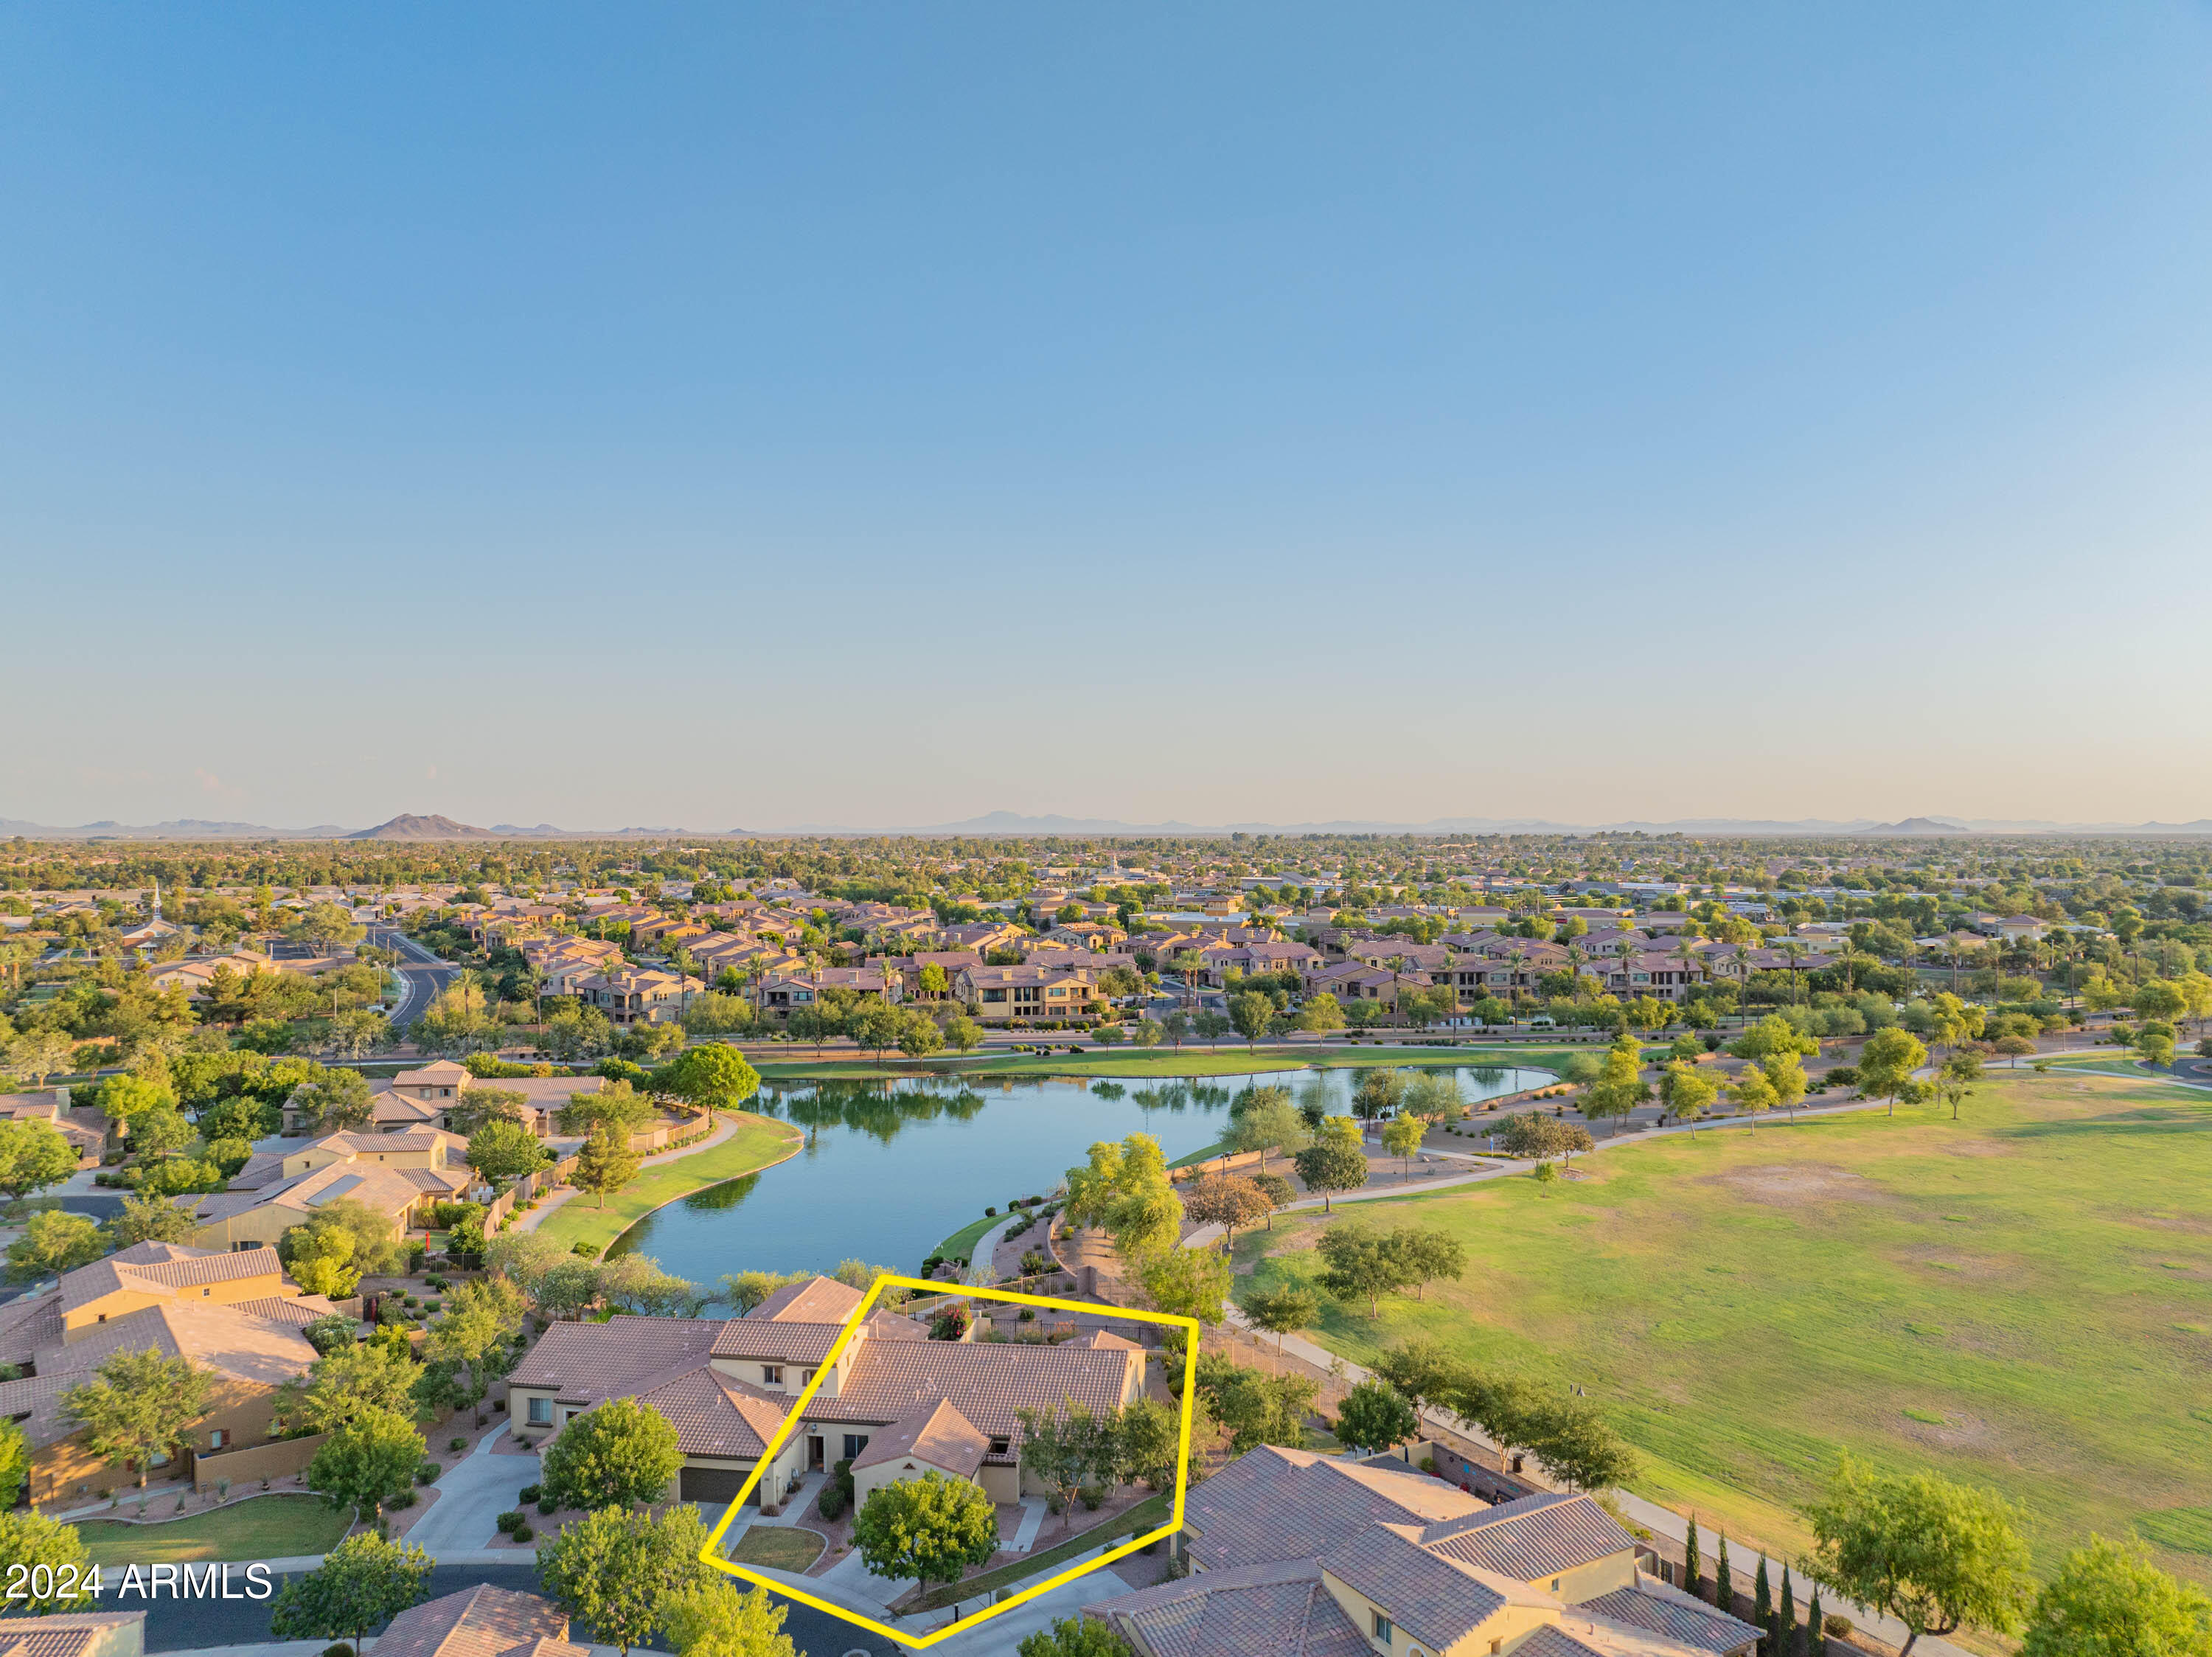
421, 974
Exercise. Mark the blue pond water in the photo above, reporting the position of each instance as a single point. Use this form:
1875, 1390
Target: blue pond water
891, 1168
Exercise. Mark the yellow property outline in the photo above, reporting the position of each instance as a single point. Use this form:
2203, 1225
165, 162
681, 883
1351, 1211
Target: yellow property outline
711, 1554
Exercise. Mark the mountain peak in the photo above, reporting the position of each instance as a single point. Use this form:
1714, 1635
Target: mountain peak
408, 826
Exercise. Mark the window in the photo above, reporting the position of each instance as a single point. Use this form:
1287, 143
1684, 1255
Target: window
1555, 1585
854, 1443
541, 1412
218, 1438
806, 1376
1384, 1633
772, 1374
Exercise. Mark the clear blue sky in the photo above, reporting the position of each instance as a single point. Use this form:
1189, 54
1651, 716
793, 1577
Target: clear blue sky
729, 416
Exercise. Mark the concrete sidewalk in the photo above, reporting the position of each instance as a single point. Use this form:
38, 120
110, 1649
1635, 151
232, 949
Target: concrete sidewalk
472, 1495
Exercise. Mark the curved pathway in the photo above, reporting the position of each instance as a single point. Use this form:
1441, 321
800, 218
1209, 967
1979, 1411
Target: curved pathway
724, 1127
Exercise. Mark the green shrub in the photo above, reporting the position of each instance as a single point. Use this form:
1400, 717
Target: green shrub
546, 1505
426, 1472
456, 1444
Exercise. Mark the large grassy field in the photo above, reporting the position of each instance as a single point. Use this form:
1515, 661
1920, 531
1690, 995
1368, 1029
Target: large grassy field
2021, 1298
267, 1527
758, 1143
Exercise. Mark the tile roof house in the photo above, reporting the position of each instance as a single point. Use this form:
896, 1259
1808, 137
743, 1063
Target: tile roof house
74, 1634
396, 1175
480, 1621
1301, 1553
85, 1126
235, 1316
727, 1385
1034, 989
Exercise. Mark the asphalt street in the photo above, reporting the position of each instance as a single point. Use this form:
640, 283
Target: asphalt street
421, 974
194, 1624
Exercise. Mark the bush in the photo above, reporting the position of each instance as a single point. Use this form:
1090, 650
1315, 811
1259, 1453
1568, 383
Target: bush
523, 1533
456, 1444
341, 1649
837, 1493
547, 1507
1843, 1076
404, 1499
1837, 1623
510, 1522
990, 1213
530, 1493
426, 1472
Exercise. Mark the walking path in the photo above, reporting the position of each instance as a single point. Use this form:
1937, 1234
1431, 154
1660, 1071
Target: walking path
724, 1127
979, 1272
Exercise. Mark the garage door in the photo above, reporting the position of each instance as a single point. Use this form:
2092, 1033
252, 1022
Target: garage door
711, 1483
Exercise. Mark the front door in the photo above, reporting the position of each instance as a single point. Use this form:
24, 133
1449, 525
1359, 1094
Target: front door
814, 1454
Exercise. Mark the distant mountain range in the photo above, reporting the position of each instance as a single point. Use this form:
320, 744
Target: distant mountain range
411, 826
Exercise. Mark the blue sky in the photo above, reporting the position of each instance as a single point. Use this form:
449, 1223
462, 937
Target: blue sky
746, 416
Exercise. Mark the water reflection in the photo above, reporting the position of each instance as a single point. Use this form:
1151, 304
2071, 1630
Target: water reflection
889, 1168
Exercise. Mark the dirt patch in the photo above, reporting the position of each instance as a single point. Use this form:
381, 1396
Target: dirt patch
1978, 1148
1955, 1433
1788, 1185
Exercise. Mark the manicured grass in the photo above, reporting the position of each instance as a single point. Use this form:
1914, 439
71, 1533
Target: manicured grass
266, 1527
1147, 1515
2021, 1298
778, 1547
960, 1245
758, 1143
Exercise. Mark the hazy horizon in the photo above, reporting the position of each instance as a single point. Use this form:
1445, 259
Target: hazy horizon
721, 420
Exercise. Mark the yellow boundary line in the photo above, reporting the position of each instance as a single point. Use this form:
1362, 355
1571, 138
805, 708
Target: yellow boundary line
711, 1554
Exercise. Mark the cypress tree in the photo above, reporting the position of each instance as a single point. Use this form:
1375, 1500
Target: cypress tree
1785, 1621
1816, 1637
1762, 1611
1692, 1567
1723, 1579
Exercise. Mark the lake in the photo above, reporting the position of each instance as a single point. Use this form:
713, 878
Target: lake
891, 1168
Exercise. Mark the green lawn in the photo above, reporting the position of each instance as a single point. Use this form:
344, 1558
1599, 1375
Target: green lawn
1147, 1516
2021, 1298
960, 1244
778, 1547
266, 1527
758, 1143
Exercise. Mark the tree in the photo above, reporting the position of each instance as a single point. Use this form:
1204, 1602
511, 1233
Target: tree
964, 1034
150, 1219
54, 1242
1255, 1409
1935, 1556
1886, 1064
1225, 1200
336, 1102
1532, 1134
138, 1406
1335, 1161
919, 1036
1071, 1447
30, 1539
1190, 1282
474, 1335
712, 1618
362, 1584
1281, 1311
1323, 1013
1619, 1088
624, 1454
507, 1150
1688, 1093
37, 1054
2014, 1047
1148, 1443
1249, 1012
605, 1163
931, 1528
523, 1256
478, 1107
1373, 1417
1752, 1093
1785, 1080
320, 1259
33, 1156
617, 1567
1577, 1445
1402, 1135
1074, 1636
15, 1463
1360, 1264
743, 1290
368, 1462
1177, 1027
2108, 1600
1268, 1123
344, 1385
568, 1289
1211, 1026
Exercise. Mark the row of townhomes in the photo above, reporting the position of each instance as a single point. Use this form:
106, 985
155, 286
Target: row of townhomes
895, 1404
1301, 1555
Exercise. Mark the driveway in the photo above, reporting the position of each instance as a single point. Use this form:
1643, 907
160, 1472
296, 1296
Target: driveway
471, 1496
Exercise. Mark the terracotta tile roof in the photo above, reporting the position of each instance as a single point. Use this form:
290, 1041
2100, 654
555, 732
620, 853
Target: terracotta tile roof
986, 1381
775, 1343
1538, 1536
939, 1435
68, 1635
714, 1414
1576, 1635
480, 1622
595, 1361
1104, 1340
1661, 1610
188, 1268
1273, 1503
1438, 1601
814, 1301
1281, 1609
300, 1310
